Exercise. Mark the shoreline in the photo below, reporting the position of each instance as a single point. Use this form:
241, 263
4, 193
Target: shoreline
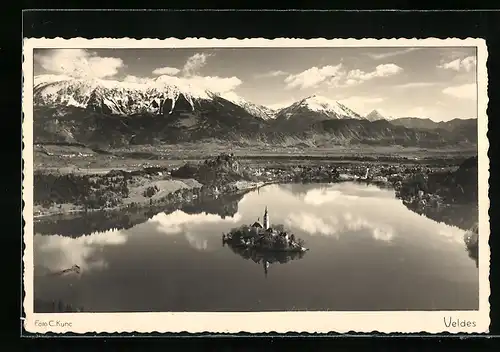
155, 186
146, 205
441, 194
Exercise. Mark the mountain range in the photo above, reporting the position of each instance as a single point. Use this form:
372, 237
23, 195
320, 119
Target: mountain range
108, 113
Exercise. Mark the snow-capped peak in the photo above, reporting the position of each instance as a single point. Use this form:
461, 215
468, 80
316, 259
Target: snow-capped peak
323, 105
233, 98
374, 116
130, 97
47, 79
185, 86
120, 97
261, 111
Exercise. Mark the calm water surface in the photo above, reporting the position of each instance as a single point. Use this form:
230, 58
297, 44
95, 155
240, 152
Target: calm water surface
367, 252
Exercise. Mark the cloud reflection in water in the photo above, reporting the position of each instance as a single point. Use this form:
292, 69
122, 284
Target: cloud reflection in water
55, 253
335, 225
193, 226
326, 210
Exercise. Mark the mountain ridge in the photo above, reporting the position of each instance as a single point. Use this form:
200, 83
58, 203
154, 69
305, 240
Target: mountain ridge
166, 110
375, 116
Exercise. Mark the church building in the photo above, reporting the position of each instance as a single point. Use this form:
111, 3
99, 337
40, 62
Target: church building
265, 227
266, 220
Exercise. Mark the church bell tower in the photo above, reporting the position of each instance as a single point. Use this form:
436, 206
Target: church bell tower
266, 219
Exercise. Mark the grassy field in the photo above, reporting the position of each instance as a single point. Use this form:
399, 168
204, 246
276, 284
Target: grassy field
78, 159
202, 151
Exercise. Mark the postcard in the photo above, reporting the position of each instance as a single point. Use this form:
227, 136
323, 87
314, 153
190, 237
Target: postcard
255, 185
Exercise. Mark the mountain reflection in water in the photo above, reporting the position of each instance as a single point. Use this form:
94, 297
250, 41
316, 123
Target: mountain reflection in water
367, 252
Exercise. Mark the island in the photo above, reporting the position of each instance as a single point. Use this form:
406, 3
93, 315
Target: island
263, 237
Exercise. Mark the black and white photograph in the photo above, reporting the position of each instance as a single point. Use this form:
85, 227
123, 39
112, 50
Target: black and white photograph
256, 179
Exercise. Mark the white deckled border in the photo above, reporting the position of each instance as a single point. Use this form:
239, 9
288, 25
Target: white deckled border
258, 322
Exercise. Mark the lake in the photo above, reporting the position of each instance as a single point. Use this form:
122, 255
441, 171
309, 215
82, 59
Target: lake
367, 251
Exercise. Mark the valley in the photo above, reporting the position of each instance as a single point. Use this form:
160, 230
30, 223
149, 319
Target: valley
118, 196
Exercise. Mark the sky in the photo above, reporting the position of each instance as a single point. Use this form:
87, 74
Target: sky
431, 82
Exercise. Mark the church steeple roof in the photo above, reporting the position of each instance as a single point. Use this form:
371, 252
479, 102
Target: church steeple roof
266, 219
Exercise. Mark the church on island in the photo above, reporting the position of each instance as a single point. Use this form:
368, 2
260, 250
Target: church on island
266, 229
258, 225
262, 236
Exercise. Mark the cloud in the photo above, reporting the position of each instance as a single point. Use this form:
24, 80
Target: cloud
192, 226
178, 220
171, 71
319, 196
197, 242
336, 225
55, 253
382, 232
357, 76
190, 79
218, 84
313, 224
464, 91
47, 79
232, 96
275, 73
376, 56
452, 233
213, 83
135, 79
336, 76
312, 77
467, 64
344, 194
415, 85
448, 53
195, 63
79, 63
